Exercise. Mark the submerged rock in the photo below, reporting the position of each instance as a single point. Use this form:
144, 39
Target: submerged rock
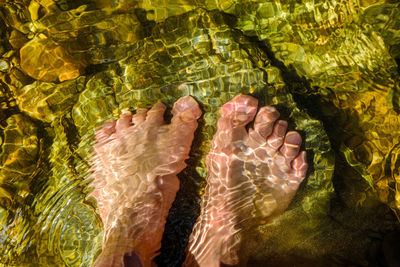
17, 39
45, 60
91, 37
385, 20
48, 101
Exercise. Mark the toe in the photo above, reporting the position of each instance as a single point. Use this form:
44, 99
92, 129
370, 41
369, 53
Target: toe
123, 122
275, 140
300, 166
238, 112
178, 139
140, 116
105, 131
155, 115
185, 112
185, 109
264, 122
291, 146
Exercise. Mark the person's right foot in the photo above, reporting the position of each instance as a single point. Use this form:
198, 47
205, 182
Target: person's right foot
252, 177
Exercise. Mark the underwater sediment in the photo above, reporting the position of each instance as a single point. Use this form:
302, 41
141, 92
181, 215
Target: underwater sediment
330, 68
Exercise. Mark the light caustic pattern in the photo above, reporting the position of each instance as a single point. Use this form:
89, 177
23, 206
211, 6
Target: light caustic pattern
134, 169
252, 177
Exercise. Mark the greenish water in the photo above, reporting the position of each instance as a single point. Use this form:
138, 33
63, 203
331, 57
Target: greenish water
330, 67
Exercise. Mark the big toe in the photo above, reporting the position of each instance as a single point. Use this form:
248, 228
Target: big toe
185, 109
185, 112
237, 112
105, 132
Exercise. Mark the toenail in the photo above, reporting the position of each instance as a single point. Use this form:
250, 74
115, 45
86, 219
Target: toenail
187, 116
263, 118
126, 112
185, 103
282, 127
242, 109
293, 138
242, 117
141, 110
108, 125
270, 109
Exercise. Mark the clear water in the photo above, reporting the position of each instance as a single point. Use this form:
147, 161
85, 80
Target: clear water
329, 67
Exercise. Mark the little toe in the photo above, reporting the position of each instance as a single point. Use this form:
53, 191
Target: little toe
123, 122
140, 116
300, 166
106, 130
291, 145
265, 119
155, 115
238, 112
275, 139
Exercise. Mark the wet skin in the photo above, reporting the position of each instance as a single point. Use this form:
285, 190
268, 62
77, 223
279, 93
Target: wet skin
134, 168
252, 177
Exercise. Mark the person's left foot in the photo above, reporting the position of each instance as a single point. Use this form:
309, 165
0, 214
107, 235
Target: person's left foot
134, 168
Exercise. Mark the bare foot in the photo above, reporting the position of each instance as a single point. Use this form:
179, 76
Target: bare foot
252, 177
134, 169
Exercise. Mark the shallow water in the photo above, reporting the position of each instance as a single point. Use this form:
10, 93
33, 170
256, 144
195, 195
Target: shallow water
329, 66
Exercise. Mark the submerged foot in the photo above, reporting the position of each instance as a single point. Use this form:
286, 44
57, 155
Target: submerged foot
252, 177
134, 169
